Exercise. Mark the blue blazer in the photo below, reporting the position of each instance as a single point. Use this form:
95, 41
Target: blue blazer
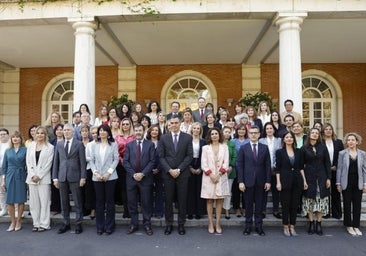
147, 159
169, 159
110, 162
253, 172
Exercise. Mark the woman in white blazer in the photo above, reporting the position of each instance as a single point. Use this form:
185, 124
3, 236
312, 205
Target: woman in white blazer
39, 163
215, 184
103, 162
351, 181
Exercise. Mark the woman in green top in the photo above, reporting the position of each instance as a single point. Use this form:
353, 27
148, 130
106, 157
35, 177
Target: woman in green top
227, 131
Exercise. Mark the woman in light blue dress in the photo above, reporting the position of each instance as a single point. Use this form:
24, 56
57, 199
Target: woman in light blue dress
14, 173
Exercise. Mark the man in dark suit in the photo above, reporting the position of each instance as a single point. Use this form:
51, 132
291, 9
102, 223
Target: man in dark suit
254, 178
175, 111
199, 115
68, 174
139, 160
175, 153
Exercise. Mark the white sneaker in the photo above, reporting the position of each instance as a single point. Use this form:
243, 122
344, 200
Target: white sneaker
4, 212
357, 231
351, 231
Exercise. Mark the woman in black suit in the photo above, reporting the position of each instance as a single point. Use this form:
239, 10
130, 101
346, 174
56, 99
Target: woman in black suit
290, 181
334, 146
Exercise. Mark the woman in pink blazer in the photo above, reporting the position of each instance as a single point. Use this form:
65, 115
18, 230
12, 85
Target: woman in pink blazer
215, 185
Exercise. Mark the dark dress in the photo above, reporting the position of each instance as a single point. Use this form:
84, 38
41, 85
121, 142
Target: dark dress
14, 169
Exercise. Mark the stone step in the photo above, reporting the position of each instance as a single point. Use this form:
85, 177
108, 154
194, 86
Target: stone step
233, 221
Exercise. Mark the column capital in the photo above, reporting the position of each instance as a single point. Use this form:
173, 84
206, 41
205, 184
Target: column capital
289, 20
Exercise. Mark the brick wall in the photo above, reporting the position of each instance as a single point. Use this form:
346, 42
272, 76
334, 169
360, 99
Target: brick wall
352, 80
226, 79
34, 80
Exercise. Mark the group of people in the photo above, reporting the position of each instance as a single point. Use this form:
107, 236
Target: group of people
197, 161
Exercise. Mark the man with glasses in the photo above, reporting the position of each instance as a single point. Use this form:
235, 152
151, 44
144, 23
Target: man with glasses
254, 178
85, 121
4, 145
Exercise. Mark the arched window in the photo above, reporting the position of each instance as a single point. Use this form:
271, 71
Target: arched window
186, 87
61, 99
319, 101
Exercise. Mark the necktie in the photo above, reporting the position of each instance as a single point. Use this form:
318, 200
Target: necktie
67, 147
255, 151
138, 156
175, 142
202, 115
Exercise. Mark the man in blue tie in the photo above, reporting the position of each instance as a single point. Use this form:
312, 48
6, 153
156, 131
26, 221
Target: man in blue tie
254, 178
175, 153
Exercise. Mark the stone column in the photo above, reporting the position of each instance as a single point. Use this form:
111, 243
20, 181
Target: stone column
84, 64
290, 58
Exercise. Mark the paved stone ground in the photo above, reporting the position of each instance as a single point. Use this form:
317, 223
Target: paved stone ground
197, 241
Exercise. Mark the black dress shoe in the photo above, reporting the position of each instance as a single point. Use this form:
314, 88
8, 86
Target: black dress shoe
78, 229
198, 217
190, 217
260, 231
131, 230
100, 232
63, 229
108, 232
181, 230
247, 231
149, 231
168, 230
277, 215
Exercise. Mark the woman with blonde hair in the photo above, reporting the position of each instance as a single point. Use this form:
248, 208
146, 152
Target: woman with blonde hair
195, 205
52, 120
39, 164
14, 176
264, 113
103, 117
351, 181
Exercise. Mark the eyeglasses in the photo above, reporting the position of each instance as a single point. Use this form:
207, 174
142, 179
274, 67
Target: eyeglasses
125, 124
3, 134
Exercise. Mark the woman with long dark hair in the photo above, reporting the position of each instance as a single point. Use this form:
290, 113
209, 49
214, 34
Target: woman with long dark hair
103, 163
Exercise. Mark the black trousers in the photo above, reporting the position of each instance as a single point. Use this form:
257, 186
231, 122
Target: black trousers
335, 199
105, 208
290, 201
352, 198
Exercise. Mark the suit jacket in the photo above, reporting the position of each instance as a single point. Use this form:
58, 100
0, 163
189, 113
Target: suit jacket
208, 162
289, 173
111, 159
337, 147
250, 171
343, 166
276, 146
316, 167
170, 115
147, 162
43, 168
71, 167
169, 159
197, 115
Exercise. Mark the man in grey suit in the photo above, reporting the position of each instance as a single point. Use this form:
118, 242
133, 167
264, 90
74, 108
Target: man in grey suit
175, 153
68, 174
139, 160
199, 115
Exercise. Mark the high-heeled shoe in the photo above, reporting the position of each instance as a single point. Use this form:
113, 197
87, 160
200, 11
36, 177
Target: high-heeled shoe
211, 230
18, 228
11, 228
286, 232
218, 230
293, 231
